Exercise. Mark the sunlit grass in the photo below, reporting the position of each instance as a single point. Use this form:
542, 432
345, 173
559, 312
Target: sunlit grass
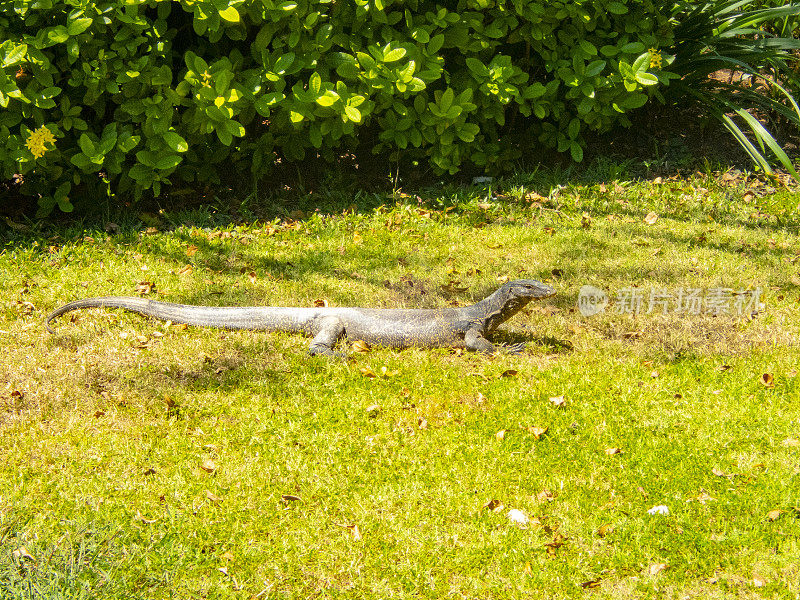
146, 460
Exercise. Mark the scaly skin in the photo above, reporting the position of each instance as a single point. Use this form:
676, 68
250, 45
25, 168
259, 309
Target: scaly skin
467, 327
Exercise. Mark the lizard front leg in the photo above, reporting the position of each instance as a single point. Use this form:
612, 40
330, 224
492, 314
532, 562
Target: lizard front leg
474, 340
330, 330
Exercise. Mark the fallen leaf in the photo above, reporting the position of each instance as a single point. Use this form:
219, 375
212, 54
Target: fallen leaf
518, 517
484, 205
228, 555
386, 373
22, 552
252, 277
291, 498
558, 401
367, 372
144, 287
651, 218
527, 570
99, 413
657, 181
613, 451
719, 473
509, 373
492, 505
758, 582
790, 443
321, 303
422, 423
357, 238
191, 250
552, 547
656, 568
604, 530
724, 368
185, 270
209, 466
545, 496
139, 517
360, 346
586, 221
536, 432
774, 514
767, 380
373, 411
592, 584
704, 497
500, 435
212, 497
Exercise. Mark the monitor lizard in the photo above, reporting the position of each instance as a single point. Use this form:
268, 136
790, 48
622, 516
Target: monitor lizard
467, 327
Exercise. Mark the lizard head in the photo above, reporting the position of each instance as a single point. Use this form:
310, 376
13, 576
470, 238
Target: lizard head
512, 297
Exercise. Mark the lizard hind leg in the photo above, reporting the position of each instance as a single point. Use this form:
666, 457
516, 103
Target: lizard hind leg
330, 329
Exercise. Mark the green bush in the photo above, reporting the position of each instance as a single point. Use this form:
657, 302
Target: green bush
131, 95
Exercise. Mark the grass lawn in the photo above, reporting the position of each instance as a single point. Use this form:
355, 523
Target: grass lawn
149, 460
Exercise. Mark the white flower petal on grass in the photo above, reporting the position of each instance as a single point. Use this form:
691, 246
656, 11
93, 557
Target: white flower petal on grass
658, 510
518, 517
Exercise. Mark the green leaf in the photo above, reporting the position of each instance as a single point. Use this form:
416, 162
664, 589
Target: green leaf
576, 151
315, 82
353, 113
329, 98
168, 162
446, 100
15, 56
175, 142
477, 67
234, 128
646, 78
87, 145
283, 63
394, 55
230, 14
617, 8
58, 34
587, 47
435, 44
78, 26
295, 117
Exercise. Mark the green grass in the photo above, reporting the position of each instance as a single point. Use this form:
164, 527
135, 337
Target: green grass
106, 427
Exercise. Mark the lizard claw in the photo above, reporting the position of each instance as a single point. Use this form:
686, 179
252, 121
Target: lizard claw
517, 348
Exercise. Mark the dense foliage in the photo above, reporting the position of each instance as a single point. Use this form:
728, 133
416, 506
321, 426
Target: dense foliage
130, 95
140, 93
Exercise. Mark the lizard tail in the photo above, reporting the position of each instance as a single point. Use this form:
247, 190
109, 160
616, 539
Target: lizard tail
160, 310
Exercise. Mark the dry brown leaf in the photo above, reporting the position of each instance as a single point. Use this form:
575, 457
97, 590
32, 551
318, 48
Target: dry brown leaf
360, 346
484, 205
656, 568
185, 270
191, 250
604, 530
613, 451
527, 569
545, 496
774, 514
586, 221
508, 373
592, 584
536, 432
212, 497
657, 181
651, 218
500, 435
767, 380
144, 287
367, 372
209, 466
558, 401
252, 277
491, 504
422, 423
22, 553
724, 368
321, 303
291, 498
